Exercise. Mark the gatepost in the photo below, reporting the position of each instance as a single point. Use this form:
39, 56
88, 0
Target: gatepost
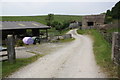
11, 48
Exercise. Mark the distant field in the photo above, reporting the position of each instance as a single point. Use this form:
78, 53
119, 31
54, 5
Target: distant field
41, 19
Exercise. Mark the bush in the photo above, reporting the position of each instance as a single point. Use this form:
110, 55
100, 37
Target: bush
19, 43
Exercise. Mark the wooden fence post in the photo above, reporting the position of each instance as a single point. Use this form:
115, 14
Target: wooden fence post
11, 48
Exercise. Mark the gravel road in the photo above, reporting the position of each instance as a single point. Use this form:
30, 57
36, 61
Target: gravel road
73, 60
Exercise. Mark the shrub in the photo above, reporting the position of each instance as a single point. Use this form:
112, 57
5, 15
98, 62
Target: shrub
19, 43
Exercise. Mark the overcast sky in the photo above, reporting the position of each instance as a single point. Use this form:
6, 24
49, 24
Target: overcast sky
63, 7
59, 0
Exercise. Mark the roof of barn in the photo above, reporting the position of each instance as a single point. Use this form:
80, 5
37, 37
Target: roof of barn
8, 25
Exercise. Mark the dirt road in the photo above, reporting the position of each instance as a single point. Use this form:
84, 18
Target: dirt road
74, 60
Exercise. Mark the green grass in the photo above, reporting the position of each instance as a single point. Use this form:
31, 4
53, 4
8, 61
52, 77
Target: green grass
8, 68
102, 52
54, 32
41, 19
83, 31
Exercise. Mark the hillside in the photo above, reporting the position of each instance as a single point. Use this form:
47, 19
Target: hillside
113, 15
41, 19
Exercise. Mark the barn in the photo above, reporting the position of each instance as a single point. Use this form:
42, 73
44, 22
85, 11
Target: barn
21, 29
93, 20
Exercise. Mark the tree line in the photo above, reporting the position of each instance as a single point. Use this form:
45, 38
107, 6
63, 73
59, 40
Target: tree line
57, 24
114, 13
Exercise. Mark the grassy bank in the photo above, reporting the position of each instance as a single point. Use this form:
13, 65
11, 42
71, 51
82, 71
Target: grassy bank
102, 52
8, 68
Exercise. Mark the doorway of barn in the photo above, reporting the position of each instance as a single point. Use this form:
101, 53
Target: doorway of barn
90, 23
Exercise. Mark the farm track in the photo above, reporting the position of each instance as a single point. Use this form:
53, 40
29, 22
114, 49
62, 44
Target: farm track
73, 60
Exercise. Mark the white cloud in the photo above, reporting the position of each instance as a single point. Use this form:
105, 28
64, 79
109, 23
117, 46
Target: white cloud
60, 0
66, 8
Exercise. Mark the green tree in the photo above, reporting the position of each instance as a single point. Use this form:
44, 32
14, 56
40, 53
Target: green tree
54, 23
66, 24
116, 11
50, 19
113, 14
108, 13
58, 26
108, 17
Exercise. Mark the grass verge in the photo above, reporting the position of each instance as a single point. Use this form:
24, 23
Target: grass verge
102, 52
8, 68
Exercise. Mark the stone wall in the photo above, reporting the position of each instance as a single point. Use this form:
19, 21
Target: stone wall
96, 19
54, 38
116, 47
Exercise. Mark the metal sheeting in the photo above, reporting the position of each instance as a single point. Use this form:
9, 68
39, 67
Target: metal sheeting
6, 25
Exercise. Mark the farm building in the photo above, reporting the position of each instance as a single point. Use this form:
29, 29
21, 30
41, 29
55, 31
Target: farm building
93, 20
21, 29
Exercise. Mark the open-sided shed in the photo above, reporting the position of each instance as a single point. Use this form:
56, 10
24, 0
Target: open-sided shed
19, 28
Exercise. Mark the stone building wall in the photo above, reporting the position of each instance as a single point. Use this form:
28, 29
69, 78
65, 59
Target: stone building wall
93, 19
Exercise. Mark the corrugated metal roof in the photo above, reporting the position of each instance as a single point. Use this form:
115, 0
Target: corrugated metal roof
7, 25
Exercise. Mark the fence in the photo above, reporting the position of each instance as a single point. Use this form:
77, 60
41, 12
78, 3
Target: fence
10, 50
3, 57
